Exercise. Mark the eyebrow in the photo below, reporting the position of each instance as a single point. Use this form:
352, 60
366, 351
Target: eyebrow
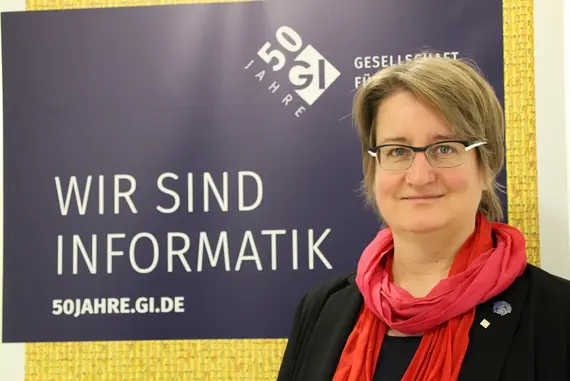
401, 139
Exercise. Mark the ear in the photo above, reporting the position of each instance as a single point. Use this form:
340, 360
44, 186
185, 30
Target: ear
486, 179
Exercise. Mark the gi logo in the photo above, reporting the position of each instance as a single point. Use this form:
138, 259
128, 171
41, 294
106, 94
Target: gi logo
308, 71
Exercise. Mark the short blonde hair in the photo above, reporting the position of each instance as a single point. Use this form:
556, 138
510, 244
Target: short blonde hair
459, 93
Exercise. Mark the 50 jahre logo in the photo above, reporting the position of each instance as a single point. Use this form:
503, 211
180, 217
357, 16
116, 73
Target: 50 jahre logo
308, 71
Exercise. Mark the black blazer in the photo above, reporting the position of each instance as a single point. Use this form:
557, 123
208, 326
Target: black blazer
530, 343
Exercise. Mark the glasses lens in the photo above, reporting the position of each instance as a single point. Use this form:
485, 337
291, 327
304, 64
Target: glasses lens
446, 154
395, 157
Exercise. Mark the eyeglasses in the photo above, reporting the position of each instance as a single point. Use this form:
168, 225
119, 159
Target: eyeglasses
442, 154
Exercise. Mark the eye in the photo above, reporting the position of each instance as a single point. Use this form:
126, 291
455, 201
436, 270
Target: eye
445, 149
397, 152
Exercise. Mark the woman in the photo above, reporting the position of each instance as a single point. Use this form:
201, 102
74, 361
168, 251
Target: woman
444, 292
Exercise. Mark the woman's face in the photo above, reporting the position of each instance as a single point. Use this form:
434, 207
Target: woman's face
423, 198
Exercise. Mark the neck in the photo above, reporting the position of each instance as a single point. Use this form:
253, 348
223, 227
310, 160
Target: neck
422, 260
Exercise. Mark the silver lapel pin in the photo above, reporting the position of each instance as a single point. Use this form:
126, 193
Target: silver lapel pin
502, 308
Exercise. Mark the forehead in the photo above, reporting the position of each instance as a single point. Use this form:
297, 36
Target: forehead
403, 118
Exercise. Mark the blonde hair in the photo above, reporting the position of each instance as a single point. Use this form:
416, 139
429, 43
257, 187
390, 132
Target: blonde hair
459, 93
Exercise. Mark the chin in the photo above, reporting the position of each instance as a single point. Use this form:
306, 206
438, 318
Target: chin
418, 222
421, 225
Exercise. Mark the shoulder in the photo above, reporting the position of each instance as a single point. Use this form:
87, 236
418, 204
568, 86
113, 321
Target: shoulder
339, 291
549, 291
545, 281
312, 303
316, 297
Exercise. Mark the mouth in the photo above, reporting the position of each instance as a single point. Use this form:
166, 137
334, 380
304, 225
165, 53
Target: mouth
423, 198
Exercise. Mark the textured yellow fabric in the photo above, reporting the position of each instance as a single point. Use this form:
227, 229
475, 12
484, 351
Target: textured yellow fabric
197, 360
258, 360
36, 5
521, 123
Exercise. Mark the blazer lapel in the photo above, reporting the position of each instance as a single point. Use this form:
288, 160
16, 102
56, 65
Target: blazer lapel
493, 331
337, 319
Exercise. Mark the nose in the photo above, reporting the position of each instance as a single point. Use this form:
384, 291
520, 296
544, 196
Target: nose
421, 171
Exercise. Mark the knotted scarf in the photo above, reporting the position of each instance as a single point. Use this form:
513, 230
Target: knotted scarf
482, 269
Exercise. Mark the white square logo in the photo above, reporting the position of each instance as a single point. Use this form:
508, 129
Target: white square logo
307, 70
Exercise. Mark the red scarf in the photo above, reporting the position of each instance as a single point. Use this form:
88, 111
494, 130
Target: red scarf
479, 272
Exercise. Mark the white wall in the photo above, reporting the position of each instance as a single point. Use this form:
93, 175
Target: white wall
12, 5
12, 356
552, 73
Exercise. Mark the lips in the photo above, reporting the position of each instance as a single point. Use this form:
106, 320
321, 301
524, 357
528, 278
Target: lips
422, 197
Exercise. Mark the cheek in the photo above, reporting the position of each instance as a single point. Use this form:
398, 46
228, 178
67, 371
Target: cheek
463, 181
387, 184
456, 180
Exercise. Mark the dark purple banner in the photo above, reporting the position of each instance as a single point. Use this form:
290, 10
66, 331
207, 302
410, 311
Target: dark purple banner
190, 171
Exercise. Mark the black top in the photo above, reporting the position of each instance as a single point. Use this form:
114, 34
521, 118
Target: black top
395, 356
528, 342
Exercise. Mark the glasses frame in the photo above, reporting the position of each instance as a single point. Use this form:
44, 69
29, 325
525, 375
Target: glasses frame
469, 145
